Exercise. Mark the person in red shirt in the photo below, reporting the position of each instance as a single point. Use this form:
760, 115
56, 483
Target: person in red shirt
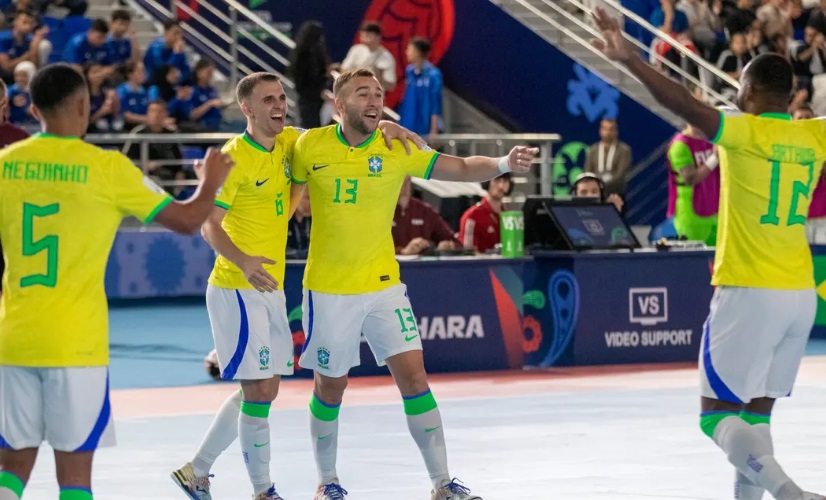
479, 227
416, 226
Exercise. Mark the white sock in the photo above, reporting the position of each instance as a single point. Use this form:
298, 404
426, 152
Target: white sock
10, 486
7, 494
749, 451
221, 434
425, 424
254, 431
324, 436
744, 488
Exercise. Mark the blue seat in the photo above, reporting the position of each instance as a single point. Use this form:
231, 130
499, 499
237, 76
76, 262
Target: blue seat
73, 25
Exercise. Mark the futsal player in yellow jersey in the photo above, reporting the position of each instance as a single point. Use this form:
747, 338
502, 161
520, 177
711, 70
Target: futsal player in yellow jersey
61, 202
352, 284
245, 301
764, 306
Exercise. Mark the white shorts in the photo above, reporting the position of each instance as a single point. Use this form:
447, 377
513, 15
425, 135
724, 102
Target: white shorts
251, 333
335, 323
68, 407
816, 230
753, 342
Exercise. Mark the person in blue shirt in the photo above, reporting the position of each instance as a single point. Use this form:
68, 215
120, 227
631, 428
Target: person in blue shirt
23, 43
167, 87
90, 47
205, 102
168, 49
121, 43
421, 107
104, 105
133, 97
20, 99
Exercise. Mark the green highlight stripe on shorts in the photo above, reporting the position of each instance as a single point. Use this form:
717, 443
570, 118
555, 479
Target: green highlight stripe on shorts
755, 418
257, 410
221, 204
154, 213
711, 419
323, 411
12, 482
420, 403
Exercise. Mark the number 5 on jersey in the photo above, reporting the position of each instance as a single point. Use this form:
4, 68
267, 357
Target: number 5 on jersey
47, 243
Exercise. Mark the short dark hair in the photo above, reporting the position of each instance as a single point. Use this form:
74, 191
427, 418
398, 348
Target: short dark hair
770, 74
121, 15
371, 27
247, 84
345, 77
169, 24
423, 45
100, 25
53, 84
506, 175
26, 12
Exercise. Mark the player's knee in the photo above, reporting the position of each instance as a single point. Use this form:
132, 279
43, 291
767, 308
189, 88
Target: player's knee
74, 469
415, 383
330, 390
260, 390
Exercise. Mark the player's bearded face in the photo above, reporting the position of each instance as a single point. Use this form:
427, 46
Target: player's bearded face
363, 106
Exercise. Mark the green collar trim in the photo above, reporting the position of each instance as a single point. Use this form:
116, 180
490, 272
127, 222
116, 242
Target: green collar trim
249, 140
778, 116
362, 145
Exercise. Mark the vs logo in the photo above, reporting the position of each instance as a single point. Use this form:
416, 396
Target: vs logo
648, 306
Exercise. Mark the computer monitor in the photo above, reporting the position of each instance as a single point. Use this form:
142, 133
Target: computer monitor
592, 226
541, 232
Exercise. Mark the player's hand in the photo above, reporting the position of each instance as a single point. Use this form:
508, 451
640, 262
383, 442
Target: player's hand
392, 131
613, 44
216, 167
520, 159
253, 269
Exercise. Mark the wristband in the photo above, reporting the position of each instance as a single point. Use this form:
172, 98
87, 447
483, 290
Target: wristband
504, 168
712, 162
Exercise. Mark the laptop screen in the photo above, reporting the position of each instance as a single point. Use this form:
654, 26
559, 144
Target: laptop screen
593, 226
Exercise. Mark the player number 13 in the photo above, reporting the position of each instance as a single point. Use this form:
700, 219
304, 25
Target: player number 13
798, 189
350, 192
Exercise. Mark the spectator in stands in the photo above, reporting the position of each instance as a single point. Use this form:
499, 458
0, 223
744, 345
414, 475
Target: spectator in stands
133, 97
23, 43
9, 134
121, 42
421, 108
732, 60
89, 47
810, 57
104, 105
479, 227
20, 99
675, 23
799, 17
72, 7
372, 55
776, 18
164, 158
298, 229
779, 44
589, 185
205, 103
817, 18
703, 22
417, 227
168, 49
755, 41
309, 69
741, 19
167, 87
610, 158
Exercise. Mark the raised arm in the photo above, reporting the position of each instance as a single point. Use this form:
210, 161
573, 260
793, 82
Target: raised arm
666, 91
482, 168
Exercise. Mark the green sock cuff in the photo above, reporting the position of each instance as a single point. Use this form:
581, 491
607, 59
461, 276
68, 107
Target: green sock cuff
755, 418
257, 410
75, 493
12, 482
711, 419
420, 403
323, 411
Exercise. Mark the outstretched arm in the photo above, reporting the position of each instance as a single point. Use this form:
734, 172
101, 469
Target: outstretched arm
483, 168
666, 91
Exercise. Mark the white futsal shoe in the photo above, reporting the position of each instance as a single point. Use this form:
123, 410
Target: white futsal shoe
331, 491
196, 488
453, 490
270, 494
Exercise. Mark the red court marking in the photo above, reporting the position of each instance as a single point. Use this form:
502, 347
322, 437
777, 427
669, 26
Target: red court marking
381, 390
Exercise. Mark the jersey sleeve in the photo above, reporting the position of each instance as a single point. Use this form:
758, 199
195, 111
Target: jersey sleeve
735, 130
236, 178
298, 168
134, 193
419, 163
679, 155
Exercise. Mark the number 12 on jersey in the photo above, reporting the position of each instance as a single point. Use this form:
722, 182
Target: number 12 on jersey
798, 189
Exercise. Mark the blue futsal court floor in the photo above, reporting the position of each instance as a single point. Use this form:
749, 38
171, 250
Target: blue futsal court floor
564, 434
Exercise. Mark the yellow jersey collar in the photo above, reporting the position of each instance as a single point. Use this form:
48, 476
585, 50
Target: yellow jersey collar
344, 141
249, 140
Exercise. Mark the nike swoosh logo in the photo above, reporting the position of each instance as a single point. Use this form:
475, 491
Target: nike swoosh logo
261, 445
290, 363
408, 339
320, 438
261, 183
431, 429
319, 167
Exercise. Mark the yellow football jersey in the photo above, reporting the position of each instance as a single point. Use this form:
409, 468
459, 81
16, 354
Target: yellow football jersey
353, 195
256, 196
769, 166
61, 202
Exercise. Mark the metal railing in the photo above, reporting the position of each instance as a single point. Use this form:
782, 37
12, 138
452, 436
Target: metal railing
456, 144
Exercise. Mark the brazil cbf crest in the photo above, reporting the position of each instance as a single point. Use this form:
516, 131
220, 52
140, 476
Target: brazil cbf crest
286, 163
323, 357
264, 357
374, 165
